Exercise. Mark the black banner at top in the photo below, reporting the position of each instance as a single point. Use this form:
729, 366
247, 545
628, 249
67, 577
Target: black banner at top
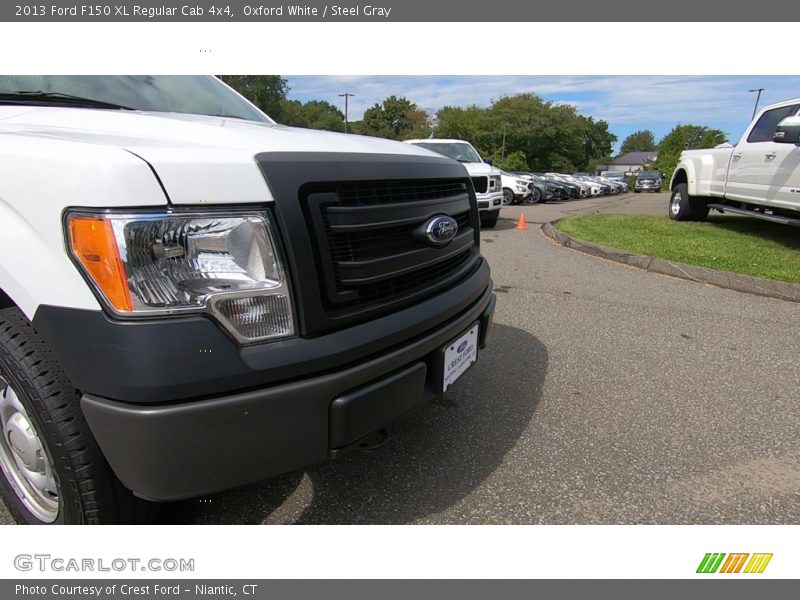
397, 11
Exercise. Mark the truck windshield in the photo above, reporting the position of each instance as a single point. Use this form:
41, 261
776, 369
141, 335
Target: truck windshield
196, 95
460, 151
649, 175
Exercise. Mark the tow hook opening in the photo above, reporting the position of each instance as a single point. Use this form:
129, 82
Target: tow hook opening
374, 441
369, 443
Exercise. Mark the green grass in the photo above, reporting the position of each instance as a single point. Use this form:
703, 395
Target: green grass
740, 245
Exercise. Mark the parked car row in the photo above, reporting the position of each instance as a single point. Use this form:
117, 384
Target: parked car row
609, 184
494, 187
542, 187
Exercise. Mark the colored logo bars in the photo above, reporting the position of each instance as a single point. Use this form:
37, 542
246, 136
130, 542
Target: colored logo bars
713, 563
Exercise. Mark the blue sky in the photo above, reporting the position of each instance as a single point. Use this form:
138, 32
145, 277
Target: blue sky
627, 102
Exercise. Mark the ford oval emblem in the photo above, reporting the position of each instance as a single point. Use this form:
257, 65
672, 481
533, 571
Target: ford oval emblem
462, 346
441, 230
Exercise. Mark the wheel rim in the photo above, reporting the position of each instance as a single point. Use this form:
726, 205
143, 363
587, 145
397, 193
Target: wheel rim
23, 459
508, 196
675, 203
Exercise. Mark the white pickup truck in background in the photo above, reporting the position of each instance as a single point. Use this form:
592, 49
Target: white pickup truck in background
758, 177
486, 179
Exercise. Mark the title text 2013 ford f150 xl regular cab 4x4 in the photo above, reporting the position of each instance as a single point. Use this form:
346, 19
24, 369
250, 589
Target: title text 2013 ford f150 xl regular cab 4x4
193, 297
759, 177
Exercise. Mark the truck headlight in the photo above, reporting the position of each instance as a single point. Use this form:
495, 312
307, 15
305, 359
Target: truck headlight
149, 264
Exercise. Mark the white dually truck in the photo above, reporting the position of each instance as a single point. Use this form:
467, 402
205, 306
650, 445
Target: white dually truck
758, 177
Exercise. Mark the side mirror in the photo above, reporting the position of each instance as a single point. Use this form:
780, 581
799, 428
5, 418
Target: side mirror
788, 131
489, 161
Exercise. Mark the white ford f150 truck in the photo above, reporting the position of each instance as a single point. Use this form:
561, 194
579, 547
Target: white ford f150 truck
758, 177
193, 297
485, 178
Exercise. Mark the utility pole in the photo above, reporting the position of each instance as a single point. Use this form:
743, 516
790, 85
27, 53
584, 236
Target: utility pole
503, 151
755, 108
346, 97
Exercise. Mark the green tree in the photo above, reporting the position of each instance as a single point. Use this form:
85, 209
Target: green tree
551, 136
597, 142
520, 132
469, 123
396, 119
514, 161
315, 114
267, 92
685, 137
418, 124
528, 125
639, 141
292, 113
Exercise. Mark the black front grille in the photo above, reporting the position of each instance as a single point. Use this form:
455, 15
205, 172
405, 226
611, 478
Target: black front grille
481, 184
403, 285
372, 244
371, 249
391, 192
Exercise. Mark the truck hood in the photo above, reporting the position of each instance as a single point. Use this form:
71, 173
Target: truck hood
198, 159
478, 169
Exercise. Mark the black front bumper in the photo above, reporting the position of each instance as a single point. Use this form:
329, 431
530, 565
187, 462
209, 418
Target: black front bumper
169, 451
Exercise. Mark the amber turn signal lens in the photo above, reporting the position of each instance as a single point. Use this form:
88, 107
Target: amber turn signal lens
94, 245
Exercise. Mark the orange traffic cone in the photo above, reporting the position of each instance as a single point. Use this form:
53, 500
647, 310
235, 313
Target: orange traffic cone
521, 224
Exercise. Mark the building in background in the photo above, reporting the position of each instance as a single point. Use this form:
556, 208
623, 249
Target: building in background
630, 163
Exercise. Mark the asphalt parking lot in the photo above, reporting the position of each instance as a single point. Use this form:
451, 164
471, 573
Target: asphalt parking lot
607, 395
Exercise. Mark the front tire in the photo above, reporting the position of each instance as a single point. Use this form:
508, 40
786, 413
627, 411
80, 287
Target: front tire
489, 222
51, 469
536, 196
508, 196
683, 207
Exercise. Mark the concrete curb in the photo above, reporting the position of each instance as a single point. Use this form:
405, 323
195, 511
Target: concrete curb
723, 279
